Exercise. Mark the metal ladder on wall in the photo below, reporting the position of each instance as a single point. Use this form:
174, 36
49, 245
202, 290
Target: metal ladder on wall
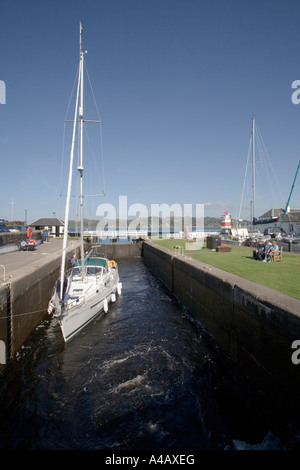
6, 349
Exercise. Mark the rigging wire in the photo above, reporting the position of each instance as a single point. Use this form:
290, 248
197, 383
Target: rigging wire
92, 153
64, 133
267, 172
271, 174
100, 127
244, 182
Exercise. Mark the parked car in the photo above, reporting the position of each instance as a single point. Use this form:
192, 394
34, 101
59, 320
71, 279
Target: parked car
17, 228
3, 228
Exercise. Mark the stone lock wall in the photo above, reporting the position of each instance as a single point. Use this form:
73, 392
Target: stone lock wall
24, 302
252, 324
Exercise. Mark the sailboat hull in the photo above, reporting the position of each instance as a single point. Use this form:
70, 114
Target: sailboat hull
78, 318
85, 297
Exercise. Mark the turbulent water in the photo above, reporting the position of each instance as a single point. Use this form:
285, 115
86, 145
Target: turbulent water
143, 376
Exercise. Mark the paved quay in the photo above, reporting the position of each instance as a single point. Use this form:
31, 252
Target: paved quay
18, 263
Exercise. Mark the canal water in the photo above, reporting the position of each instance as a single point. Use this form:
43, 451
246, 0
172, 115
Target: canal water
143, 376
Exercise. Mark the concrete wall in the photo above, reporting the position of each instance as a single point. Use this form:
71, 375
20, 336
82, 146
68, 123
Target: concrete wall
252, 324
120, 251
29, 294
3, 326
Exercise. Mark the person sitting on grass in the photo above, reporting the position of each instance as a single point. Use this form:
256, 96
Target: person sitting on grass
274, 248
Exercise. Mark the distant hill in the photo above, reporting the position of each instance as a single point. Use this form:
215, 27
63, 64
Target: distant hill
158, 222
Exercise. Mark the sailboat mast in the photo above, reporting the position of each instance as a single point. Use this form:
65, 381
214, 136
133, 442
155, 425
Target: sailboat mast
253, 168
66, 226
80, 167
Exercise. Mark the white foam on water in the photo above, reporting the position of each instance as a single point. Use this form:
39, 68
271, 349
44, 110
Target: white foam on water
131, 383
106, 365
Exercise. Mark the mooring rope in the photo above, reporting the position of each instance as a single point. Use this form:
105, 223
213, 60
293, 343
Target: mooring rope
22, 314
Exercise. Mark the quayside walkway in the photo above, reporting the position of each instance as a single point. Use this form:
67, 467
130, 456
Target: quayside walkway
20, 263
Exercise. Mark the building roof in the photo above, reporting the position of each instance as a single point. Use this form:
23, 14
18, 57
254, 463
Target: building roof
293, 215
44, 222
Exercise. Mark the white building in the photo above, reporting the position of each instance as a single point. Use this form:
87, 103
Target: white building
53, 224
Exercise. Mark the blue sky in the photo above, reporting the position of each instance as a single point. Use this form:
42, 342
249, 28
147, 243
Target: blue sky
177, 83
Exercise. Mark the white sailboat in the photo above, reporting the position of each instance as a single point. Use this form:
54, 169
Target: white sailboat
93, 281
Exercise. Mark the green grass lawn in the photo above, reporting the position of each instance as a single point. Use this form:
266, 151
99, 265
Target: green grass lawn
282, 276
